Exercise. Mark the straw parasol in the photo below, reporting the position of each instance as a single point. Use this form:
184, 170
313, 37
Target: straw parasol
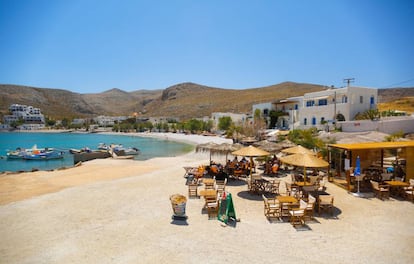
227, 148
305, 161
209, 146
213, 148
251, 152
298, 150
268, 146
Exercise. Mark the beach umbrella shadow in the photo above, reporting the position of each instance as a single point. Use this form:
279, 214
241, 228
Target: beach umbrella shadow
249, 196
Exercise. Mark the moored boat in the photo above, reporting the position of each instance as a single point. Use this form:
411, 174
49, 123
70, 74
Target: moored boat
43, 155
19, 153
119, 149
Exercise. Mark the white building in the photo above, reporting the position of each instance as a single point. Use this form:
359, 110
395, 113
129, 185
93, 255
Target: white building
29, 115
324, 108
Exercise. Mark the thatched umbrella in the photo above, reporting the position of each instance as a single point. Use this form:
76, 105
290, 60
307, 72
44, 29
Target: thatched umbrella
227, 148
209, 146
222, 149
268, 146
298, 150
305, 161
251, 152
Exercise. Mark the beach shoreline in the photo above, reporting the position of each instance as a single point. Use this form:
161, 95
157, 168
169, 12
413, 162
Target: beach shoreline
118, 211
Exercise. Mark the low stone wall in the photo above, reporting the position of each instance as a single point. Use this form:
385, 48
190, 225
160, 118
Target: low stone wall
384, 125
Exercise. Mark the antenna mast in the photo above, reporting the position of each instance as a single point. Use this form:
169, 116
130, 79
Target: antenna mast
348, 81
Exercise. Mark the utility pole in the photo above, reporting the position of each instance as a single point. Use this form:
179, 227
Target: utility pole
334, 115
348, 81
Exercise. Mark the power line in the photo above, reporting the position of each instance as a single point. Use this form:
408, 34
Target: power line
394, 84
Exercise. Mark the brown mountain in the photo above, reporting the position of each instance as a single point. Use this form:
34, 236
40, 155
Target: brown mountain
185, 100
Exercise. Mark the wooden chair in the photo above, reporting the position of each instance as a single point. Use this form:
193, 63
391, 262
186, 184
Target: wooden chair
274, 186
409, 191
292, 190
209, 185
322, 184
192, 190
271, 207
386, 176
325, 203
297, 215
380, 190
212, 205
310, 207
221, 186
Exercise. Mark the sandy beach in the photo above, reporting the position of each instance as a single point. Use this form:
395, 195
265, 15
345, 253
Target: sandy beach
118, 211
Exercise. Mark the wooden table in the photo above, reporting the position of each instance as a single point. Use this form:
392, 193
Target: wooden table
208, 181
208, 193
301, 183
397, 183
285, 200
397, 187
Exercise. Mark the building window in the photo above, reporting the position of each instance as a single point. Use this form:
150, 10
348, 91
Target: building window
344, 99
305, 121
313, 120
310, 103
323, 102
372, 100
361, 99
322, 120
296, 107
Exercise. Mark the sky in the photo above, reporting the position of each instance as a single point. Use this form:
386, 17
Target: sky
90, 46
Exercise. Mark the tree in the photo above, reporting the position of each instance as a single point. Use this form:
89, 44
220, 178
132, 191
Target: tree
224, 123
340, 117
259, 121
274, 117
306, 138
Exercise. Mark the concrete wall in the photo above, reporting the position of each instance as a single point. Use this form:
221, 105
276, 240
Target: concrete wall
385, 125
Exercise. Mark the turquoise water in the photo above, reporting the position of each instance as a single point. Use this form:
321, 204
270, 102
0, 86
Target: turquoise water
149, 147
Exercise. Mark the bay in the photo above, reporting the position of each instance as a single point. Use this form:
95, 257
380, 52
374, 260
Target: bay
149, 147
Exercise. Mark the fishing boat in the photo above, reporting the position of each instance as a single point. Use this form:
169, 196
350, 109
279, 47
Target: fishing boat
119, 149
19, 153
16, 154
43, 155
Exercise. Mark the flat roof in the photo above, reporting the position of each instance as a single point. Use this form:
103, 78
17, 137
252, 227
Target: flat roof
374, 145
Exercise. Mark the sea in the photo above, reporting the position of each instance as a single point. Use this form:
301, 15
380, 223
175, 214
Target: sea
149, 147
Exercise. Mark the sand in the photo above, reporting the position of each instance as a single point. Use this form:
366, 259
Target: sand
118, 211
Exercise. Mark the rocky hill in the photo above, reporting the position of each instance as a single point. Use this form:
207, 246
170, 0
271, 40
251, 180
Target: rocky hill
185, 100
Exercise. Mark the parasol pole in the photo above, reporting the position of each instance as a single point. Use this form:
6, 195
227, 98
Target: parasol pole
251, 169
304, 174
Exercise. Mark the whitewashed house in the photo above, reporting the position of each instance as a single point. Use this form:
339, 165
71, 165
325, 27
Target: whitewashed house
324, 108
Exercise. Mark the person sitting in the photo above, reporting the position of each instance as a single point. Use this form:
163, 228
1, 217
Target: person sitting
275, 168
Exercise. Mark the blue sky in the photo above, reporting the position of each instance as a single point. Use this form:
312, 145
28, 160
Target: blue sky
89, 46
